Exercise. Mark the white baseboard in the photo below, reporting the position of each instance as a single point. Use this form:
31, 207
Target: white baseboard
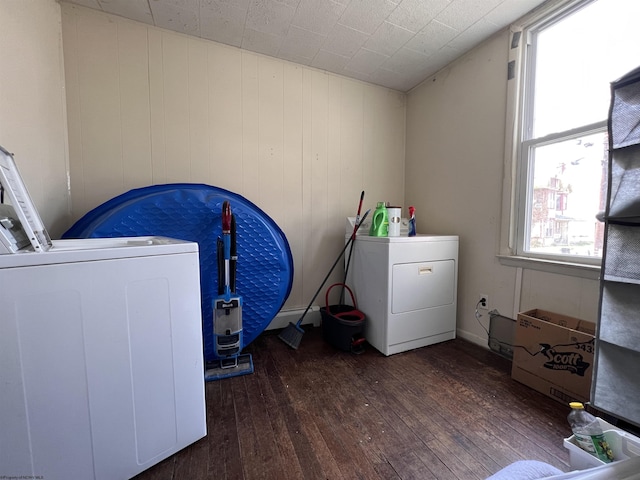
283, 317
473, 338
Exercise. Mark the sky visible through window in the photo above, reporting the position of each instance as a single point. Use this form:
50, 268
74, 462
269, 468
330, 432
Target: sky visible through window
577, 59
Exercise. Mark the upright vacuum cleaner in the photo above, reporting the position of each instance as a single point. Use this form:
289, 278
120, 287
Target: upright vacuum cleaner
227, 309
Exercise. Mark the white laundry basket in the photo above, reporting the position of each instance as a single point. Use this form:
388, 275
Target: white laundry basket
623, 444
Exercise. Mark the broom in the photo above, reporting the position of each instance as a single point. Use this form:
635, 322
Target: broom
292, 333
346, 270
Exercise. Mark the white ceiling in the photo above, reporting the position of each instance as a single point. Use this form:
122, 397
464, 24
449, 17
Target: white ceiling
393, 43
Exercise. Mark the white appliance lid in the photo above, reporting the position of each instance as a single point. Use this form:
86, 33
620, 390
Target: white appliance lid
421, 237
93, 249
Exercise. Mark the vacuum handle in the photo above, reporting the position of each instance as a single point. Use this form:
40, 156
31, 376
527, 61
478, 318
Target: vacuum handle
220, 258
226, 240
233, 251
226, 217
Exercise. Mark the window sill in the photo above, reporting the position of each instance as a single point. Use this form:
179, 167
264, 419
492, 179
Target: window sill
581, 270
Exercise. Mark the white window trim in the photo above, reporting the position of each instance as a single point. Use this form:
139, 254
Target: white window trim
511, 208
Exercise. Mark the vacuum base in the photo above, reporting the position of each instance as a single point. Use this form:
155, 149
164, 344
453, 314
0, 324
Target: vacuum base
228, 367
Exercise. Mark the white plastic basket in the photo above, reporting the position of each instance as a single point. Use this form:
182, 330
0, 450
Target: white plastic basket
623, 445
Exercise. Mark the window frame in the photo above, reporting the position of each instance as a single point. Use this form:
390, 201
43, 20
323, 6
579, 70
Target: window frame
519, 143
525, 164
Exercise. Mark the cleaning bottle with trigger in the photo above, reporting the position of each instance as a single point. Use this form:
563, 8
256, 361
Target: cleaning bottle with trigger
380, 221
412, 221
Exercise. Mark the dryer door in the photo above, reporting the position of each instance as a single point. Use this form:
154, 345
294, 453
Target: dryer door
421, 285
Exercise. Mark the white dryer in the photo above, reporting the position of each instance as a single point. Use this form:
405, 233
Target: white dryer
407, 288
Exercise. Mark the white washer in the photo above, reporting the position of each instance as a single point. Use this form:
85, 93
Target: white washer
101, 353
407, 288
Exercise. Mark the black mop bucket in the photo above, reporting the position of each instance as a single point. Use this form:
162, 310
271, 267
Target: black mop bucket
343, 325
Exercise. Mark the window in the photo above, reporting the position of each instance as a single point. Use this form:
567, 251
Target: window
568, 57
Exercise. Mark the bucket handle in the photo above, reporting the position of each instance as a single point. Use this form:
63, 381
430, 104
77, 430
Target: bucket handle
326, 297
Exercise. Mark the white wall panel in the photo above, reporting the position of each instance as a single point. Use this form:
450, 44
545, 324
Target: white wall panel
308, 252
100, 114
270, 168
317, 163
294, 221
134, 103
156, 115
250, 126
74, 119
351, 175
225, 130
335, 196
175, 72
198, 112
33, 115
149, 106
576, 297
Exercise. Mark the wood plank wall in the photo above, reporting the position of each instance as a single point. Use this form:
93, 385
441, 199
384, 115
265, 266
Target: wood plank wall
149, 106
32, 105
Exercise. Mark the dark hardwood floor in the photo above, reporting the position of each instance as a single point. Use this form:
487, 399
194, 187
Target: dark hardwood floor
447, 411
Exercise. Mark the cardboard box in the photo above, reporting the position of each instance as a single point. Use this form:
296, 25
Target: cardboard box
553, 354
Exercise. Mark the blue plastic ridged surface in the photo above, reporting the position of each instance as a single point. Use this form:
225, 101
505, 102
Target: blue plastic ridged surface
193, 212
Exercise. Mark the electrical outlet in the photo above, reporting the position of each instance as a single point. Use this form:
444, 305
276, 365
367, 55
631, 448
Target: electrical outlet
483, 300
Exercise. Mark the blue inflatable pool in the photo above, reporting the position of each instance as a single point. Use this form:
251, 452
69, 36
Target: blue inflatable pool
193, 212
